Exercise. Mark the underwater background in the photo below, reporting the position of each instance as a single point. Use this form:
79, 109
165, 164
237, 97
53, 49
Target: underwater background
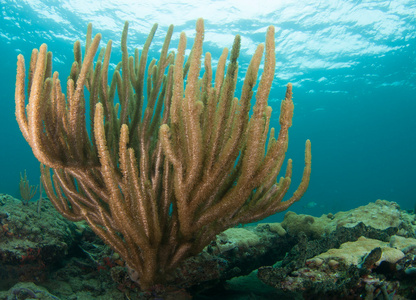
352, 65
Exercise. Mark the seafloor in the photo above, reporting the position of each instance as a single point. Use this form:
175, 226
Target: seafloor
366, 253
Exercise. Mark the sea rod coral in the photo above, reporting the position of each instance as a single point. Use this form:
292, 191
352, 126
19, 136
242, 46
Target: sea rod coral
170, 159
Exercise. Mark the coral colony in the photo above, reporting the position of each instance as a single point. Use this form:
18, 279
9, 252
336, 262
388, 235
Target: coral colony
169, 165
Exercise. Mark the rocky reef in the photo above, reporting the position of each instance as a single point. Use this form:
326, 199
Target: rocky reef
366, 253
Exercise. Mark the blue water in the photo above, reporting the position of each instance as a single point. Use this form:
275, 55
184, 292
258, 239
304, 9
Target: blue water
352, 65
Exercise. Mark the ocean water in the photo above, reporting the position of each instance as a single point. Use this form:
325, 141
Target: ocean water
352, 65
